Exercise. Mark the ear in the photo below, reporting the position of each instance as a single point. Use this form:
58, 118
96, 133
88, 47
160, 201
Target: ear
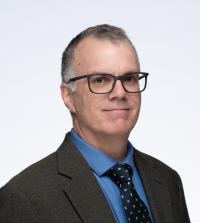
67, 96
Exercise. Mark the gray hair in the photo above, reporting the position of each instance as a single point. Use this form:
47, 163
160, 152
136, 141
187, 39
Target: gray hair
103, 31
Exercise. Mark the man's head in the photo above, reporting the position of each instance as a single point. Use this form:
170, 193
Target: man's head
100, 49
101, 32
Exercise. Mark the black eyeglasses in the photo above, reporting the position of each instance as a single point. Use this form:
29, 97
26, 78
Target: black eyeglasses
104, 83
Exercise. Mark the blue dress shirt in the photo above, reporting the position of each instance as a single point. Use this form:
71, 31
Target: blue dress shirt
100, 163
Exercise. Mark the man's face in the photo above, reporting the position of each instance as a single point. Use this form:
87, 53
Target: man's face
111, 114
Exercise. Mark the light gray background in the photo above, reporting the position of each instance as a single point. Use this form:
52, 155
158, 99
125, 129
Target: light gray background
33, 119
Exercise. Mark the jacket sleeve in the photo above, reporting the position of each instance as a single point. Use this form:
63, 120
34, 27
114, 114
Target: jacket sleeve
182, 215
15, 207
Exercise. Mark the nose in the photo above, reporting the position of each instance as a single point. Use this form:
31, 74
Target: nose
118, 91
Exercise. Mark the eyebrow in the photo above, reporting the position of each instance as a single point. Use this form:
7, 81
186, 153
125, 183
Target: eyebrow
128, 72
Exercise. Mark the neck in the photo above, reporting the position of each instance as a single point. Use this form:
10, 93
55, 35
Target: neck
114, 146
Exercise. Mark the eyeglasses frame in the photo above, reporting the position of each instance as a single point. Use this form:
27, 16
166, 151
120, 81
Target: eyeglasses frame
115, 78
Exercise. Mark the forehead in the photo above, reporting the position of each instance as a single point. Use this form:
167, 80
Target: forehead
103, 55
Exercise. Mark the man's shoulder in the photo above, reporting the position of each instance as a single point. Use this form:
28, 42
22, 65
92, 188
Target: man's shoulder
29, 188
39, 173
152, 160
35, 174
154, 164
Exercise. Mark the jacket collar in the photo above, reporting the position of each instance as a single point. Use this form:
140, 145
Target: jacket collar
82, 188
156, 188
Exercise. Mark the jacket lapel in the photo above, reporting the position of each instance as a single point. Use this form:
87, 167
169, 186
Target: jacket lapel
82, 189
156, 189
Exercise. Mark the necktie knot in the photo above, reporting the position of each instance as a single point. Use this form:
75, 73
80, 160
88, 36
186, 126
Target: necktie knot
120, 173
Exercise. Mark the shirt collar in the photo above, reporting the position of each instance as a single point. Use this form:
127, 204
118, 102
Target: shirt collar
97, 160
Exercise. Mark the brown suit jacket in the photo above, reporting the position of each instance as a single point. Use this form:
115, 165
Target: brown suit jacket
61, 188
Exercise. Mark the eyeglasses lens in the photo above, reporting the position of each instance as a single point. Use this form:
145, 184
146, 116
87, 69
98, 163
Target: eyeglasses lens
103, 83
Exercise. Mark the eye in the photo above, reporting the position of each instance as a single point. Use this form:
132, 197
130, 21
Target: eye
131, 78
100, 79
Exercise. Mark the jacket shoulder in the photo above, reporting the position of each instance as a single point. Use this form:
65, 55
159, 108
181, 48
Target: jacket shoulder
36, 175
153, 163
19, 197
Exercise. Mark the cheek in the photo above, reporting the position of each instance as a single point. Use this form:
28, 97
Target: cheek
86, 105
136, 101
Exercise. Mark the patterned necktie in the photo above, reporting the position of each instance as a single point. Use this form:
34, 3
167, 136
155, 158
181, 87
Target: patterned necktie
135, 209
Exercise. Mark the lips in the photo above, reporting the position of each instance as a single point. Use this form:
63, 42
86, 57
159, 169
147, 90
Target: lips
116, 109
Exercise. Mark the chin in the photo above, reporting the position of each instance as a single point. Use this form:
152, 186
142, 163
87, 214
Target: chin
118, 130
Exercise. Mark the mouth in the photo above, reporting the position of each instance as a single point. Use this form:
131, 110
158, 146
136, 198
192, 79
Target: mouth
116, 110
116, 113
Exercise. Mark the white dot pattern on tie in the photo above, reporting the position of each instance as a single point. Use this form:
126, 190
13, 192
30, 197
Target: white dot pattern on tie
134, 207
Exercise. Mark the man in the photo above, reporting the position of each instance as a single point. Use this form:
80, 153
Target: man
97, 175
